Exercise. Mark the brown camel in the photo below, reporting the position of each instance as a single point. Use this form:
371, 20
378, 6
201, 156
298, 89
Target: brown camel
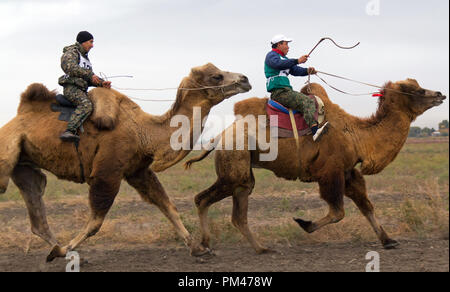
136, 145
373, 142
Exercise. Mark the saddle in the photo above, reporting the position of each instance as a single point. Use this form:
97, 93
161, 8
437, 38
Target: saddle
284, 125
65, 107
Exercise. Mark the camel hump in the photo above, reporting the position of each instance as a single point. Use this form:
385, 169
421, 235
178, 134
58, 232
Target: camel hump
37, 98
106, 108
251, 106
37, 92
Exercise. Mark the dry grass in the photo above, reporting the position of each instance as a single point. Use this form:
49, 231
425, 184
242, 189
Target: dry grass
410, 196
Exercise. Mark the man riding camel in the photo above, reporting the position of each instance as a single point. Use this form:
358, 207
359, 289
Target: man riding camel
79, 76
277, 69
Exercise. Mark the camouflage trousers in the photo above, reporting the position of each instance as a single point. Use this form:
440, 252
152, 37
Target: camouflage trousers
84, 106
296, 101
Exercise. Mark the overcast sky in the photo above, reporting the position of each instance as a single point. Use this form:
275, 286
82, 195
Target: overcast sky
158, 41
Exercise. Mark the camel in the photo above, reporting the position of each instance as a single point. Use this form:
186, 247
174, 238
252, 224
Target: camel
136, 146
371, 142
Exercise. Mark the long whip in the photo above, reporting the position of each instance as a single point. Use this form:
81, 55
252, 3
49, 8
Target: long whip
337, 45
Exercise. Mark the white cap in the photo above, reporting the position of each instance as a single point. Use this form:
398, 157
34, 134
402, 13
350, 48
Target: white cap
280, 38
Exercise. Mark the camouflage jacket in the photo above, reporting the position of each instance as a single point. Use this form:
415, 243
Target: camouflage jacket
75, 73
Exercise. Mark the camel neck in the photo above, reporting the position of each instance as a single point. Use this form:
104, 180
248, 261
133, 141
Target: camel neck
176, 132
380, 138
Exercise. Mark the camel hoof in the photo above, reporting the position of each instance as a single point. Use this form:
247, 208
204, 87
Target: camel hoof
210, 252
390, 244
56, 252
266, 251
306, 225
200, 250
3, 184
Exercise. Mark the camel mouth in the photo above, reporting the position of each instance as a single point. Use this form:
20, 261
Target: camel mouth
246, 87
439, 99
236, 88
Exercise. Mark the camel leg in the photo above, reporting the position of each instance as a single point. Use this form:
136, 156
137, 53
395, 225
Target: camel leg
31, 183
332, 191
4, 184
218, 192
239, 217
102, 193
355, 189
237, 181
152, 192
203, 201
10, 148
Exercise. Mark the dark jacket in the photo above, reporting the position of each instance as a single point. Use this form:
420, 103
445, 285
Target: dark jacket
75, 74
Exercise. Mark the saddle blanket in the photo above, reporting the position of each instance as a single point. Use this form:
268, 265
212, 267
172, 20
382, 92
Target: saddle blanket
284, 124
65, 107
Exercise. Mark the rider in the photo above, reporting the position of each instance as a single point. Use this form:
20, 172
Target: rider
277, 69
79, 76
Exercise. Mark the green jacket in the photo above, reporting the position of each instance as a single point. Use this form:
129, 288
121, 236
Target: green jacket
278, 67
77, 74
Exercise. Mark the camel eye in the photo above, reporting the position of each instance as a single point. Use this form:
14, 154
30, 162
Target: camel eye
218, 77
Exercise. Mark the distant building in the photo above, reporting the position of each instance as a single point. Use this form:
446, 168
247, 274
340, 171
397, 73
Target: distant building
436, 134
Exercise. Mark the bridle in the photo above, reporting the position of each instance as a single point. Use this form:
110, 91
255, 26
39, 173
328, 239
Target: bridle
205, 87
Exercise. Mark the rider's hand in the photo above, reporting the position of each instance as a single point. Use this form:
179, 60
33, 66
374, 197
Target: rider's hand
303, 59
312, 71
96, 80
106, 84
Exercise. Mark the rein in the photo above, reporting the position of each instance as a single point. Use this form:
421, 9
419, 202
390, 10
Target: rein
219, 87
176, 88
339, 90
363, 83
308, 82
201, 87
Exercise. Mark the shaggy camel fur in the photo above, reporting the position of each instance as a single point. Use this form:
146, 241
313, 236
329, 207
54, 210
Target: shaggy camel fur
373, 142
136, 147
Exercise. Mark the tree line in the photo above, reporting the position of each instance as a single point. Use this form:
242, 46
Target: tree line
427, 132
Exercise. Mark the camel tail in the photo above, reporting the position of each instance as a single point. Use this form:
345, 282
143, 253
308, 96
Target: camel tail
205, 153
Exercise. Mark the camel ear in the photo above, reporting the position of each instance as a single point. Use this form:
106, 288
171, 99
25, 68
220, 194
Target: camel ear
413, 82
196, 72
407, 87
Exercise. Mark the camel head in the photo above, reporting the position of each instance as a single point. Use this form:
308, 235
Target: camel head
410, 96
228, 83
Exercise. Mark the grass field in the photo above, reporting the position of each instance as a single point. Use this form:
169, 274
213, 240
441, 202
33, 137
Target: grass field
411, 198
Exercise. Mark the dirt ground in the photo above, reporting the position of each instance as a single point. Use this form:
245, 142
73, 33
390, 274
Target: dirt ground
169, 255
411, 256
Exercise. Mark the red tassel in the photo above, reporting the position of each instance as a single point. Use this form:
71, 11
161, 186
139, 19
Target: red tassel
381, 94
